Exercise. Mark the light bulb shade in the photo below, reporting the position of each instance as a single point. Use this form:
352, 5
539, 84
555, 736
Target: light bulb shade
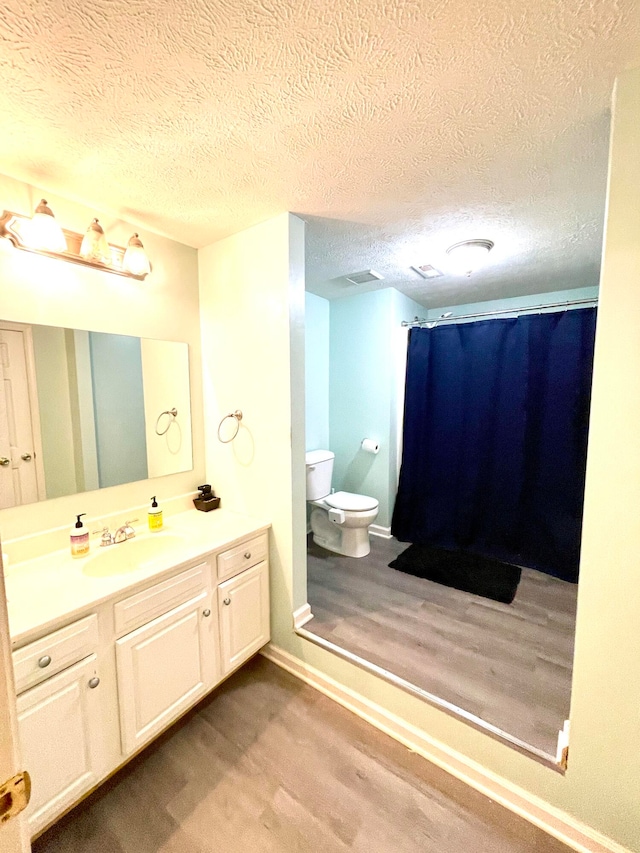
94, 244
44, 232
469, 255
135, 258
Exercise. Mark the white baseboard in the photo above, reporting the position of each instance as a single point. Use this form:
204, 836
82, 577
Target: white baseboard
567, 829
302, 615
377, 530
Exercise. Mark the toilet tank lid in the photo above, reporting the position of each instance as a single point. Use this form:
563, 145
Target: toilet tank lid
350, 501
312, 457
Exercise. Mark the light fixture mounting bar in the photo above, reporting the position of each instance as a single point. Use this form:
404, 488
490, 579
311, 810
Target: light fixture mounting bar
12, 226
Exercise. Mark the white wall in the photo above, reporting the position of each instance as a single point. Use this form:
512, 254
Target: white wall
253, 349
40, 290
605, 706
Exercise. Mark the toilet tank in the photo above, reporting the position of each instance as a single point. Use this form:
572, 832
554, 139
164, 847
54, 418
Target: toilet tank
319, 472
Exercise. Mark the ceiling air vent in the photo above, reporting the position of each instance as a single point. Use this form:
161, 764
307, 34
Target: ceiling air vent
363, 277
427, 271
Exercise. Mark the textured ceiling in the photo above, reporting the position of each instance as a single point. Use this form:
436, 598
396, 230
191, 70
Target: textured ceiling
394, 127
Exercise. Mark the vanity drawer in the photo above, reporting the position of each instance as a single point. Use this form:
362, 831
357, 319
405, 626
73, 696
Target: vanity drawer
57, 651
242, 557
146, 605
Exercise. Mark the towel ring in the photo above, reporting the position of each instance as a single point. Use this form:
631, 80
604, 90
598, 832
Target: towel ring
237, 415
173, 413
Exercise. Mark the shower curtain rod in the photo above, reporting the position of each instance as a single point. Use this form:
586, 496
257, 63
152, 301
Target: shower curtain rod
422, 322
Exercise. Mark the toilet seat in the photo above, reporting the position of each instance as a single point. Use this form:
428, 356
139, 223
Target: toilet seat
351, 502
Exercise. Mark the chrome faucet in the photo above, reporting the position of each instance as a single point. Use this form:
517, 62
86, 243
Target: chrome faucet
121, 535
125, 532
106, 538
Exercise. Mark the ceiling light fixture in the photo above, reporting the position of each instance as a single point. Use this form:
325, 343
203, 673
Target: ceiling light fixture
43, 236
466, 256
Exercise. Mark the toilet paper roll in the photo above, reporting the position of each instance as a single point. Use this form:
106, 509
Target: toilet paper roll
369, 445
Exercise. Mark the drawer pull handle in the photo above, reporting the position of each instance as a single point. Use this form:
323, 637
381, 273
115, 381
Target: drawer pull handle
227, 601
247, 555
206, 612
44, 661
93, 682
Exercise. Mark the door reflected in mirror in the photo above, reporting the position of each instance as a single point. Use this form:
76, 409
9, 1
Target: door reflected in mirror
83, 410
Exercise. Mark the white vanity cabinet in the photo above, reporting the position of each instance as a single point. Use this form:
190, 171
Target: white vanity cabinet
137, 654
243, 601
243, 607
164, 667
60, 719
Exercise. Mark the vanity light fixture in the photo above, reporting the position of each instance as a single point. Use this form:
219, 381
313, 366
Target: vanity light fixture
135, 258
466, 256
44, 232
43, 236
94, 246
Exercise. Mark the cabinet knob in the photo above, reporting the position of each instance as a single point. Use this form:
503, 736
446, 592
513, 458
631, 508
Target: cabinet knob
227, 601
247, 555
26, 457
93, 682
4, 461
44, 661
206, 612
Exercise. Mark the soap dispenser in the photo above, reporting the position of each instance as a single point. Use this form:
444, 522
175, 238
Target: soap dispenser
155, 515
206, 500
79, 538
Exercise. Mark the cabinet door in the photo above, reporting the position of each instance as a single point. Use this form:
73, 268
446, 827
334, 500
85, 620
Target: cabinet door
60, 729
243, 605
163, 668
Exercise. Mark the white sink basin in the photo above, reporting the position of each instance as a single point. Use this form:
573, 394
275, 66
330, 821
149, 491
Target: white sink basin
131, 555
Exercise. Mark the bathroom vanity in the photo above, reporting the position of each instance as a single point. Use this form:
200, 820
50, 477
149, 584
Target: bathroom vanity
111, 649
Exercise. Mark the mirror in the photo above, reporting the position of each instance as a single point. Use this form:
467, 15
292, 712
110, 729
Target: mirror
503, 667
83, 410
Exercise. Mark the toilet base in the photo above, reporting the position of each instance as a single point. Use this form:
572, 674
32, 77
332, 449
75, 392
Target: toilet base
351, 538
360, 549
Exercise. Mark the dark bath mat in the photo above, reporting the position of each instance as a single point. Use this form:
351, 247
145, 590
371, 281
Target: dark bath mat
467, 572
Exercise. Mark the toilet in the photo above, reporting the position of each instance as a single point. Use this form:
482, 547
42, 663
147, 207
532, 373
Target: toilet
339, 521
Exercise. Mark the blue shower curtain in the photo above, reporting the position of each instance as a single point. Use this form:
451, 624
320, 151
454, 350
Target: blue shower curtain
495, 438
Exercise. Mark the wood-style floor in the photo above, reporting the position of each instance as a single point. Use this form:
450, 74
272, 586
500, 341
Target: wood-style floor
508, 664
269, 765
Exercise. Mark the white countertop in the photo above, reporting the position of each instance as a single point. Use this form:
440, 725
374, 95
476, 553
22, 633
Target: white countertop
53, 588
